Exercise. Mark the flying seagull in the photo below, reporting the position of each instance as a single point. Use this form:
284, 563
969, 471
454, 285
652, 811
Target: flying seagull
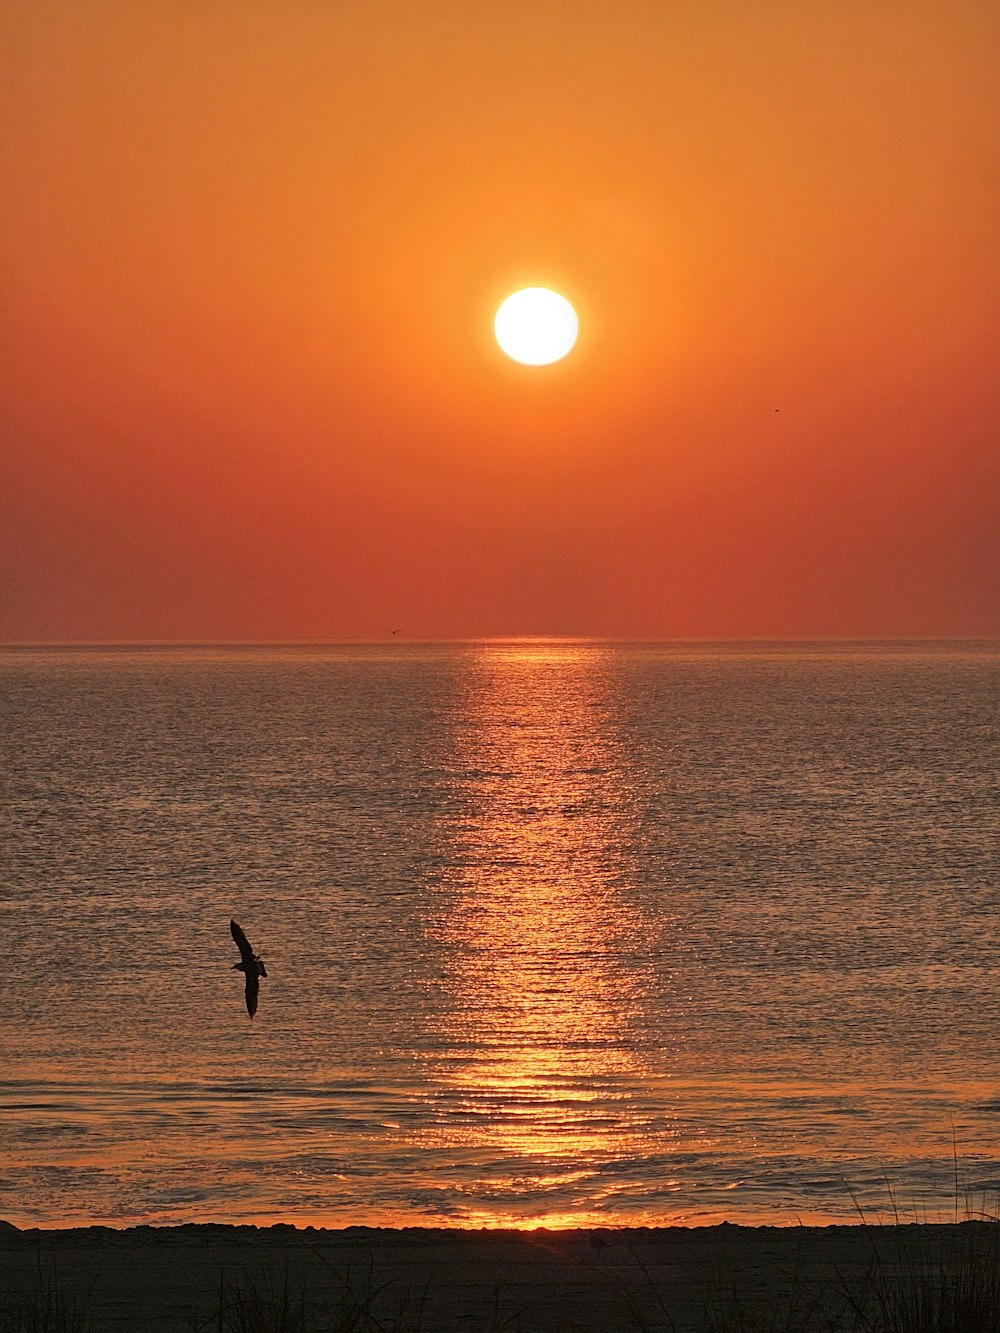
250, 965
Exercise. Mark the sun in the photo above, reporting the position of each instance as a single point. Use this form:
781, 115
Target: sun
535, 326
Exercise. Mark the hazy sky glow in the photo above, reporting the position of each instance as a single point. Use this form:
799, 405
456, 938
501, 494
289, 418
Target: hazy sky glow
253, 251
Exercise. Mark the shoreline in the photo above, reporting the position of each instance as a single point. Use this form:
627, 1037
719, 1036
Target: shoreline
447, 1280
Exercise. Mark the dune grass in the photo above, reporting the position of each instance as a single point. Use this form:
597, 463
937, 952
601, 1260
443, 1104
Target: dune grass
45, 1308
923, 1276
267, 1302
929, 1281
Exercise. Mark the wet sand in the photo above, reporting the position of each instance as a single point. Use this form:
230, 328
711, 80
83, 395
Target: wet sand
444, 1281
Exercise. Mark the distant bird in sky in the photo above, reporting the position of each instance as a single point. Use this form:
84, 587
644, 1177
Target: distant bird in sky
250, 965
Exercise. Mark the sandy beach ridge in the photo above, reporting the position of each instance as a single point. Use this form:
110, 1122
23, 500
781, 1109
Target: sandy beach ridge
439, 1280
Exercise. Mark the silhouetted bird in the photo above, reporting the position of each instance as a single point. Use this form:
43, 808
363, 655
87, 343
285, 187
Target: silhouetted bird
599, 1242
250, 965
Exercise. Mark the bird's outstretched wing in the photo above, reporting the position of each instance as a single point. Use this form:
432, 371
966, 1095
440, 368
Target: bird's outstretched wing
253, 986
243, 944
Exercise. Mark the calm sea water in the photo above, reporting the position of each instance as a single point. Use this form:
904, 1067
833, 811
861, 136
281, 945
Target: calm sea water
556, 933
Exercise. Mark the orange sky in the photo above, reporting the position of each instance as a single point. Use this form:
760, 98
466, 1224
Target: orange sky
252, 252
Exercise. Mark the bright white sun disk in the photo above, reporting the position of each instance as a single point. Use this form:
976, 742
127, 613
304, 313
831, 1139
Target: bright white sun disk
535, 326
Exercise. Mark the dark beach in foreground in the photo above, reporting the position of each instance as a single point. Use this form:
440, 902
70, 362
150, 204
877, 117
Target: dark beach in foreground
443, 1281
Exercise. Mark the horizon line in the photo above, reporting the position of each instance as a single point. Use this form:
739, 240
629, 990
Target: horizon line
369, 641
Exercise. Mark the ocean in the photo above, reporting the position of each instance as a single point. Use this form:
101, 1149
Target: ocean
556, 933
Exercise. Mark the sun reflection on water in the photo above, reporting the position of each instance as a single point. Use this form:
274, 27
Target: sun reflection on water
543, 1004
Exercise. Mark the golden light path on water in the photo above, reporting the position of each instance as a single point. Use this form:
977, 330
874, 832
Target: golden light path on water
543, 999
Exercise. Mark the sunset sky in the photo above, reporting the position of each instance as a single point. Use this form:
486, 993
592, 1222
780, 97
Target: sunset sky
252, 253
